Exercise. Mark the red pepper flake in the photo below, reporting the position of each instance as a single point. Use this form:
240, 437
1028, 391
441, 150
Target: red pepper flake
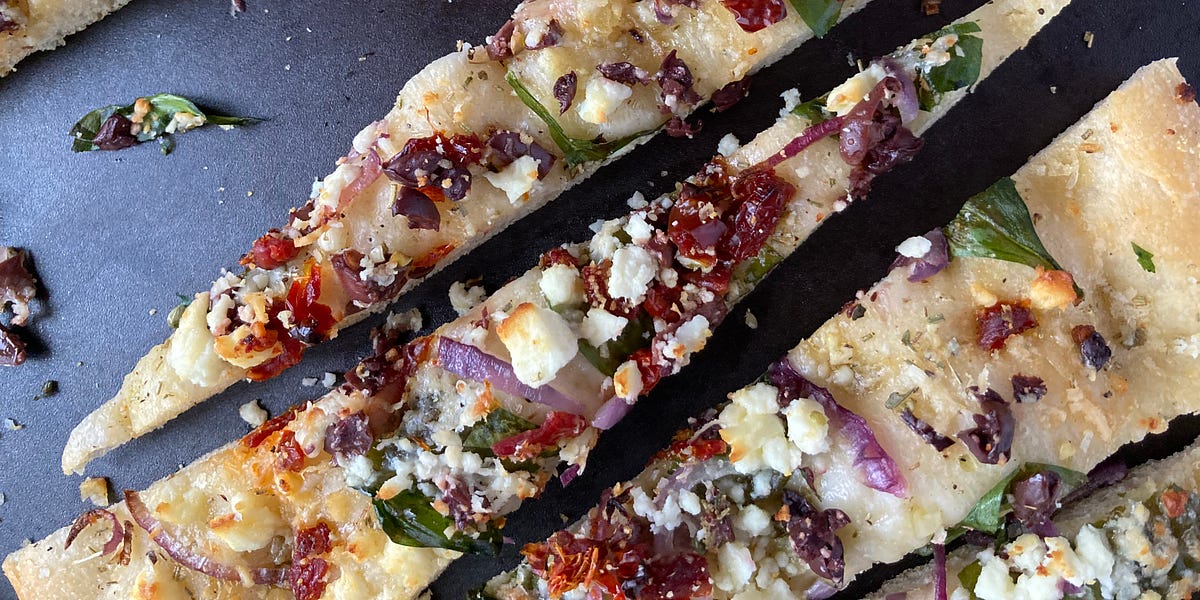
1001, 320
270, 251
1174, 502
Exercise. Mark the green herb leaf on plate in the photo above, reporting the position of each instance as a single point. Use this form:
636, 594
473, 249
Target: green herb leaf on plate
575, 151
167, 114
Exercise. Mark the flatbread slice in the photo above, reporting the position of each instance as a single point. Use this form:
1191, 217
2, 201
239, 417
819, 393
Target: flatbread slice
1134, 539
27, 26
963, 366
432, 442
476, 140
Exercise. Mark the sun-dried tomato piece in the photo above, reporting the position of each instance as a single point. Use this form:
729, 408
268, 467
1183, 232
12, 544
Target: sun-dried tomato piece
998, 322
695, 224
595, 287
264, 431
308, 578
526, 445
289, 456
662, 302
680, 576
760, 197
271, 251
1174, 502
424, 265
753, 15
292, 352
557, 256
349, 436
312, 541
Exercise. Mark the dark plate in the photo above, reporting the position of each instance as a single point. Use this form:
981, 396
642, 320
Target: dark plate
115, 235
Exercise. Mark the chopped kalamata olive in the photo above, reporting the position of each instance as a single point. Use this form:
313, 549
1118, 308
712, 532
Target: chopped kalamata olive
665, 14
550, 37
564, 90
874, 139
500, 46
350, 436
990, 441
1028, 388
421, 212
115, 133
677, 127
676, 80
753, 15
1035, 499
1002, 320
1092, 348
505, 147
347, 266
731, 94
436, 165
679, 576
925, 431
624, 72
18, 287
933, 262
813, 535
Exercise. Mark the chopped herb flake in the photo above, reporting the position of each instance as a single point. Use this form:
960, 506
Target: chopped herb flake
1144, 257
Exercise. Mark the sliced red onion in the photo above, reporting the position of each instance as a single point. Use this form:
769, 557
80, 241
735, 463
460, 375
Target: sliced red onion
906, 100
611, 413
878, 470
939, 572
475, 364
369, 170
820, 591
810, 136
569, 475
91, 516
191, 559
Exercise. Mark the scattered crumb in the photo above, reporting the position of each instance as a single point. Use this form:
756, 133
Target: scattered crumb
728, 145
287, 67
252, 413
409, 320
13, 425
329, 380
464, 298
751, 320
153, 311
931, 7
248, 194
308, 381
95, 490
221, 189
50, 388
1054, 89
287, 39
662, 173
1088, 37
637, 201
1, 499
791, 99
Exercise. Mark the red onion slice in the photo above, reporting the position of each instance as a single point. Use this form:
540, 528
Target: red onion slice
91, 516
939, 572
369, 170
191, 559
810, 136
906, 100
475, 364
611, 412
878, 470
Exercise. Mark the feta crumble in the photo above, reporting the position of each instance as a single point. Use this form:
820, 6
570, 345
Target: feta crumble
539, 342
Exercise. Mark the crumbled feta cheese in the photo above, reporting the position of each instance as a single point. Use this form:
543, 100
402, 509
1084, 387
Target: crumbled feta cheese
603, 244
689, 338
251, 524
757, 440
735, 566
517, 179
637, 201
845, 96
409, 320
728, 145
633, 268
562, 285
791, 99
464, 299
95, 490
638, 229
627, 381
252, 413
753, 520
600, 326
601, 97
914, 247
994, 582
308, 381
807, 426
1092, 548
751, 320
539, 341
328, 379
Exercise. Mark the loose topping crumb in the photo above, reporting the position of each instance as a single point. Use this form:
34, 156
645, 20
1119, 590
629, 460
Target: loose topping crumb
253, 413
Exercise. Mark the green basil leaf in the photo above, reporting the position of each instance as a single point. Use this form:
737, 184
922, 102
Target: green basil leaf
1144, 257
819, 15
409, 519
813, 110
988, 513
497, 425
617, 351
753, 270
575, 151
85, 130
995, 223
969, 577
962, 70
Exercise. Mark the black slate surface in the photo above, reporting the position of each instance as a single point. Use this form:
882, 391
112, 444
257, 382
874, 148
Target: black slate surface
115, 235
